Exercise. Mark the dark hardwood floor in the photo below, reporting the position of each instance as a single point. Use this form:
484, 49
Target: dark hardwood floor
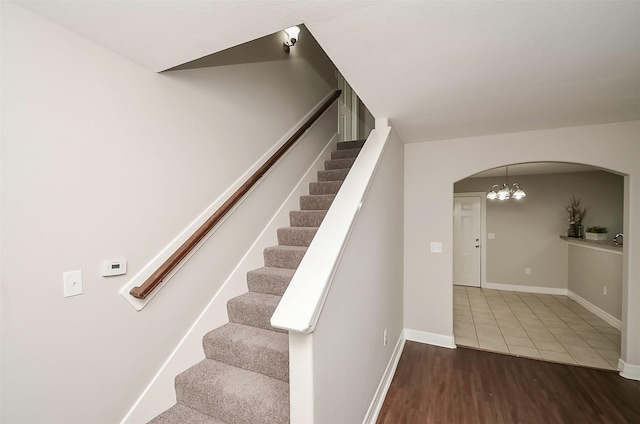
439, 385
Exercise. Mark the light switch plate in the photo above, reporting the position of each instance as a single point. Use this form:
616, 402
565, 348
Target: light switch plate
436, 247
491, 236
72, 281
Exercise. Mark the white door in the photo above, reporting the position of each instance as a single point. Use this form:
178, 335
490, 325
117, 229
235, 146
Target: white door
347, 111
466, 241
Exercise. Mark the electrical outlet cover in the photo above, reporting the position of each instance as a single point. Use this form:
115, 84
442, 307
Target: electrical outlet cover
72, 281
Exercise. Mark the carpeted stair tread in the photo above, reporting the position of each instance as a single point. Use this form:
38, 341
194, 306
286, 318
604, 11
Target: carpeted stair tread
253, 309
346, 153
325, 187
338, 163
250, 348
306, 218
244, 378
284, 256
333, 175
182, 414
296, 236
269, 280
232, 394
346, 145
315, 202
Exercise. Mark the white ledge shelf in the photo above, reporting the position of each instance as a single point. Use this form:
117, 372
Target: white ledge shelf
605, 245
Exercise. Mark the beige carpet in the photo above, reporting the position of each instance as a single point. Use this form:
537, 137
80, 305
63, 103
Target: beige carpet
245, 376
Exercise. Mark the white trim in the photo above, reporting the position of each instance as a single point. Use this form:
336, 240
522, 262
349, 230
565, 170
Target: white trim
429, 338
207, 317
593, 246
301, 376
385, 382
632, 372
355, 119
168, 250
615, 322
526, 289
381, 123
300, 307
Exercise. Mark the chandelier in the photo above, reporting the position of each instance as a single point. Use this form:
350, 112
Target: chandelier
505, 192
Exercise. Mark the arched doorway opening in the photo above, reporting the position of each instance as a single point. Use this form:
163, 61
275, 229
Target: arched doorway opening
536, 296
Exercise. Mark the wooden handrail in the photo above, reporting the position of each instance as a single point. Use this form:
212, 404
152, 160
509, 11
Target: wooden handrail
165, 269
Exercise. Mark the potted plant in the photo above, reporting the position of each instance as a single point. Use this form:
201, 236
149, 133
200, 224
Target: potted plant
575, 216
596, 233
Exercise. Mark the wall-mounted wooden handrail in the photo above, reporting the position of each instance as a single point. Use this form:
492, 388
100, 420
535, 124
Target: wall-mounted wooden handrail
165, 269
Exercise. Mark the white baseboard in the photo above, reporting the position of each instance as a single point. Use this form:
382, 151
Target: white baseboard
383, 387
430, 338
526, 289
615, 322
632, 372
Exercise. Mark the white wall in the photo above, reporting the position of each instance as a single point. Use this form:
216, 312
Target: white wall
104, 159
431, 169
161, 392
526, 231
366, 121
590, 270
348, 356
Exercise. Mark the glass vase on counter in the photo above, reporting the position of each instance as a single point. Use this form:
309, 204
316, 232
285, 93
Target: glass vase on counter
575, 231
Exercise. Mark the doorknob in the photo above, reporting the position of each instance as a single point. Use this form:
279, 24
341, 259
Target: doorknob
477, 243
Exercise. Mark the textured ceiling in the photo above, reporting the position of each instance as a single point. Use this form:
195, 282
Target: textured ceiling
436, 69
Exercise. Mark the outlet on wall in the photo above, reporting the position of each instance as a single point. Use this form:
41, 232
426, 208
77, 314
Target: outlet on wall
604, 290
527, 271
72, 283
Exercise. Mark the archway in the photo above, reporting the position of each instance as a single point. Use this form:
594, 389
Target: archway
431, 169
540, 277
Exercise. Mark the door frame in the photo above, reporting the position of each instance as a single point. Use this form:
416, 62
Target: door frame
348, 124
483, 232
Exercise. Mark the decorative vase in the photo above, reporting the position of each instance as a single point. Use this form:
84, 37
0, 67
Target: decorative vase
571, 231
579, 231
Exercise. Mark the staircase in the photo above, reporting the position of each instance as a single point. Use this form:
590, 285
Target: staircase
245, 375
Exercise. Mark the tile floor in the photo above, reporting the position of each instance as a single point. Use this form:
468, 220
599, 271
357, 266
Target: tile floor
549, 327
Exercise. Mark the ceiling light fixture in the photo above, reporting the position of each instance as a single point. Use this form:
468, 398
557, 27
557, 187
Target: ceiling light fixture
292, 38
504, 192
